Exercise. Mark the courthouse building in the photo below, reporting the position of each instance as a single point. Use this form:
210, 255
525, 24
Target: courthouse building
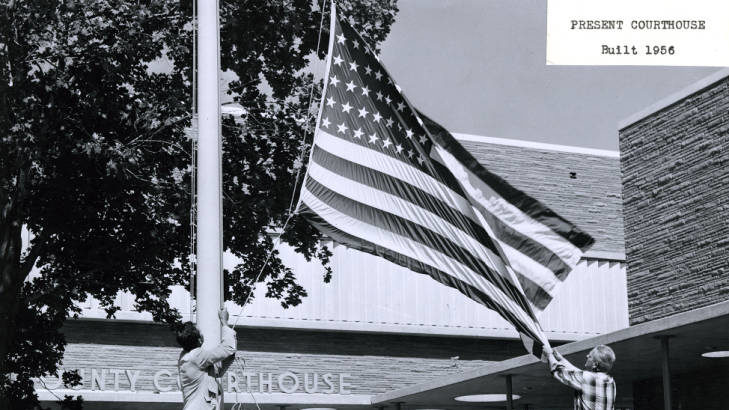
381, 336
376, 328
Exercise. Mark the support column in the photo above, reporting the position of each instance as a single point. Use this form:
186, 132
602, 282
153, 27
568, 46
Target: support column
666, 370
509, 393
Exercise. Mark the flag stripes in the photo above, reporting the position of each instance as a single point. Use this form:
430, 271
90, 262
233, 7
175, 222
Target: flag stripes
377, 199
393, 186
372, 159
403, 251
418, 234
491, 205
427, 201
414, 265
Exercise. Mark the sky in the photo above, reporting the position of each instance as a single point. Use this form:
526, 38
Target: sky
478, 67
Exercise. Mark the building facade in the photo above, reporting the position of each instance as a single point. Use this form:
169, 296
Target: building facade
377, 326
675, 171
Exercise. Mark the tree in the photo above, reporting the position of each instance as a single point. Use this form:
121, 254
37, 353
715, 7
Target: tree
96, 164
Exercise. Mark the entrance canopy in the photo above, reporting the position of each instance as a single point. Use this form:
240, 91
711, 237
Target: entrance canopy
638, 351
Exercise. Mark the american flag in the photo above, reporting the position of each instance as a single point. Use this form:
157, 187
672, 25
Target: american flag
385, 179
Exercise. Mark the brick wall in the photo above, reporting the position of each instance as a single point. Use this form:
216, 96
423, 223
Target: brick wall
675, 171
372, 363
110, 332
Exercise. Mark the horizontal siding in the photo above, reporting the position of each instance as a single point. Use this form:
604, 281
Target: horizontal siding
367, 293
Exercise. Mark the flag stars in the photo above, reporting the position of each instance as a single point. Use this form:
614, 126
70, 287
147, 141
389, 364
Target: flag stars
363, 113
341, 38
386, 143
373, 138
368, 70
330, 102
421, 160
353, 66
358, 133
379, 96
389, 122
423, 139
377, 117
338, 60
398, 148
365, 91
346, 107
325, 122
334, 80
342, 128
410, 153
350, 86
378, 74
409, 133
388, 100
355, 44
400, 106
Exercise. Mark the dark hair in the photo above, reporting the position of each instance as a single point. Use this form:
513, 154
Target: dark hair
188, 336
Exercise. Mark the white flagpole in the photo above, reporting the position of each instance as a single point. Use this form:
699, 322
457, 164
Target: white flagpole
209, 209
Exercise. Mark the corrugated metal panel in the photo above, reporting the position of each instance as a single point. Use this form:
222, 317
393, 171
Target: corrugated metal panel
378, 295
368, 293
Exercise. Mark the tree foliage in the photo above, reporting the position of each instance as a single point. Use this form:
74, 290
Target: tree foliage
95, 160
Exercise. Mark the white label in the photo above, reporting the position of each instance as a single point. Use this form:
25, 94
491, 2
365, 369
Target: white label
643, 32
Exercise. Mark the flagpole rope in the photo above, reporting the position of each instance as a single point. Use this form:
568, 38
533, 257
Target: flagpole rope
239, 405
308, 109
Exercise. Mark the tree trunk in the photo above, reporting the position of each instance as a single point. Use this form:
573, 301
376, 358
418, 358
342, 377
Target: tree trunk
12, 268
11, 281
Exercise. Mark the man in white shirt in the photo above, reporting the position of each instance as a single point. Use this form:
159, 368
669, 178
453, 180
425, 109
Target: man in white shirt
199, 367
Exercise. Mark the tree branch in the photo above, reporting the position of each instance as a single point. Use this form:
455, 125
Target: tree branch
29, 260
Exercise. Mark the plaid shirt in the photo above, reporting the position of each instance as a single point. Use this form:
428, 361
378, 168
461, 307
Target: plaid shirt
593, 391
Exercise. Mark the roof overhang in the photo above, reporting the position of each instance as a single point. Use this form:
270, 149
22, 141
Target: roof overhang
638, 352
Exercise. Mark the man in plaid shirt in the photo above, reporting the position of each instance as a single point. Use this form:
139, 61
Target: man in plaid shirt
594, 388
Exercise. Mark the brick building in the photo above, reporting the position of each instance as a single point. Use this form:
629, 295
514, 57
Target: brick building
675, 167
376, 327
675, 171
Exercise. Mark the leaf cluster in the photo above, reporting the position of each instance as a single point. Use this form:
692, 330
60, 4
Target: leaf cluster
95, 160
